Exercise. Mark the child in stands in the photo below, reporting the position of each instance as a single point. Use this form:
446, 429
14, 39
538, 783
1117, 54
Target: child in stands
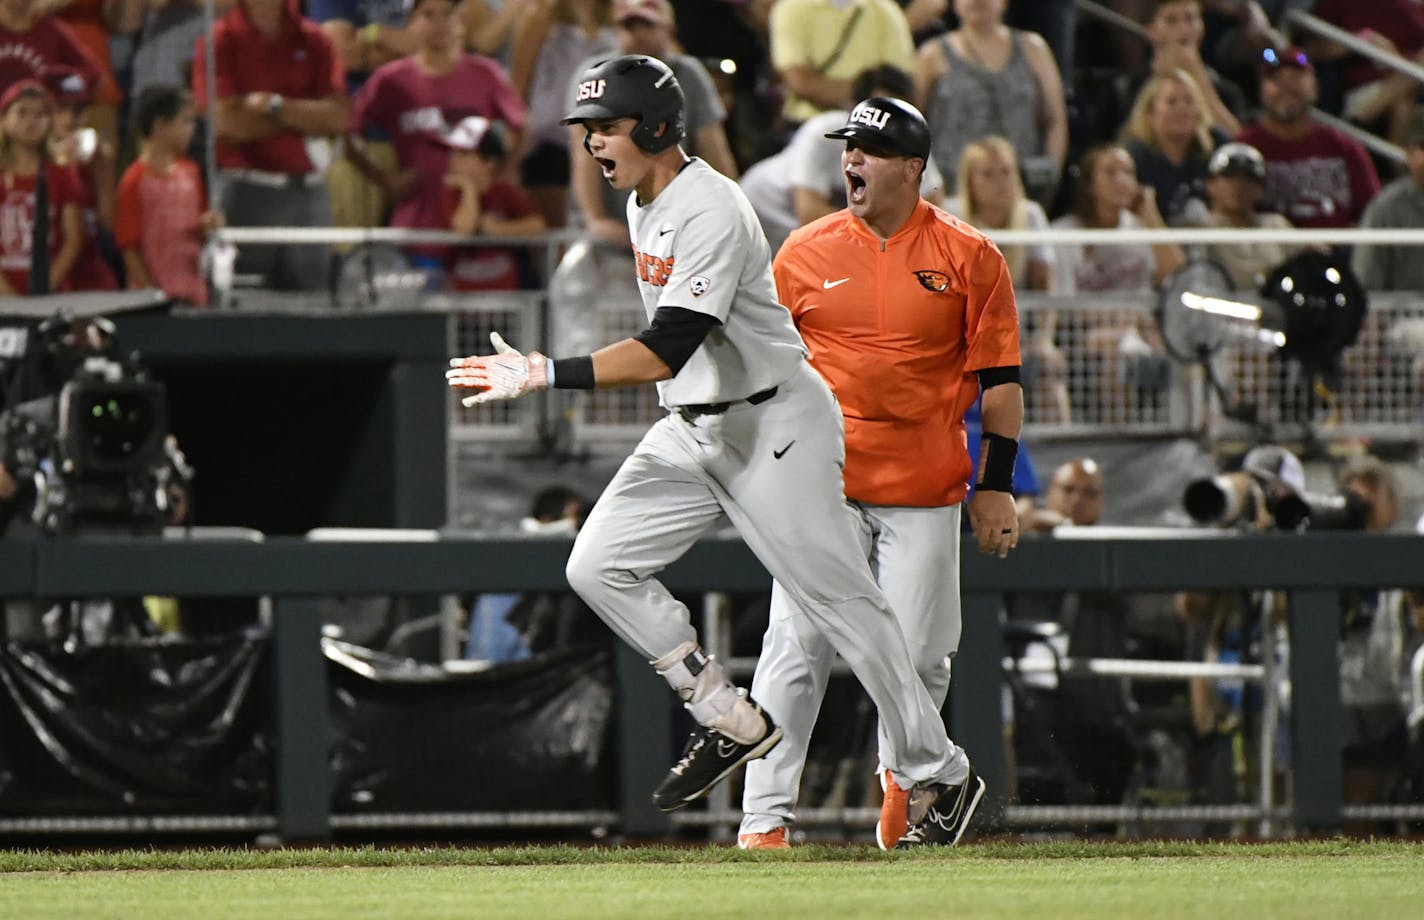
163, 216
477, 202
26, 113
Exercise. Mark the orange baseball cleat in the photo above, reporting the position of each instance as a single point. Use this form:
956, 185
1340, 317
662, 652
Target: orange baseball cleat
771, 840
894, 813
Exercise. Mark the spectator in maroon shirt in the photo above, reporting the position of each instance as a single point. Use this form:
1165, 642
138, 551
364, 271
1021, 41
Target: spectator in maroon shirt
418, 99
34, 45
475, 201
280, 93
1315, 175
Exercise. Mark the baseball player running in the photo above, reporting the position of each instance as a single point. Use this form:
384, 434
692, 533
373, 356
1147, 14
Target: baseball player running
752, 432
902, 306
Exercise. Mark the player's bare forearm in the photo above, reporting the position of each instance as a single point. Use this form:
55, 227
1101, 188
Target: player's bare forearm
1004, 410
992, 513
627, 363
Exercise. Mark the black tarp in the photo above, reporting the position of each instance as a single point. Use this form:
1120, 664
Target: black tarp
147, 726
522, 736
184, 727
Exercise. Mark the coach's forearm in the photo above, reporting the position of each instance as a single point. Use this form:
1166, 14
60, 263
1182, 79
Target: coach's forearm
1004, 410
627, 363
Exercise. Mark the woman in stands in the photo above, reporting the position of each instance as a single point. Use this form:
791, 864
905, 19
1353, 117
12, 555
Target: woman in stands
551, 38
985, 78
1123, 344
1170, 137
991, 197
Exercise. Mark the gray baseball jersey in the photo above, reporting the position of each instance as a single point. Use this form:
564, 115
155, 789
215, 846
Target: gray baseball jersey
698, 246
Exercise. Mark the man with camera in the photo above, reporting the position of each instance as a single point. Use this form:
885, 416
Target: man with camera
1269, 492
84, 449
1234, 627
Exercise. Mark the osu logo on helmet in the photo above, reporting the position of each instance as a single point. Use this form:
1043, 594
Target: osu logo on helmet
590, 89
870, 115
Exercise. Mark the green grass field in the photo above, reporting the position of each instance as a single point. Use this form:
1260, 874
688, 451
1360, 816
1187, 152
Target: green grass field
1330, 879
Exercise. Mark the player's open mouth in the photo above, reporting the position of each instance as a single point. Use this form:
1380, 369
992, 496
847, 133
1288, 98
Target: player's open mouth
607, 165
855, 187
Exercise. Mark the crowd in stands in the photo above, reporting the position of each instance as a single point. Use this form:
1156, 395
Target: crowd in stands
350, 112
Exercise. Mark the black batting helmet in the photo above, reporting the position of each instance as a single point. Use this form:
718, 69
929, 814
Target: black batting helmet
636, 86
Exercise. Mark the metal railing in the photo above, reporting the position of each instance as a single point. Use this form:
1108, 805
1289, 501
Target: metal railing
1085, 385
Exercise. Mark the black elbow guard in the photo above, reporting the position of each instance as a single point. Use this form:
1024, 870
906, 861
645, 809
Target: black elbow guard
675, 334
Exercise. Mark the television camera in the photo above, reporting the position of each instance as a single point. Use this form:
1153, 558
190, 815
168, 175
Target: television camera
85, 433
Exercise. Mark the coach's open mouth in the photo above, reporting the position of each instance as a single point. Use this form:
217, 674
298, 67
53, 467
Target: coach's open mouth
855, 187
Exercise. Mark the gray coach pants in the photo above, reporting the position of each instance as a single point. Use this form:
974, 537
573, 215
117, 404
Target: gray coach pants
914, 553
791, 510
289, 267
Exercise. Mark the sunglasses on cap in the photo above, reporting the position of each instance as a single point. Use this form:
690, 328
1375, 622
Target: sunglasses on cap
1273, 59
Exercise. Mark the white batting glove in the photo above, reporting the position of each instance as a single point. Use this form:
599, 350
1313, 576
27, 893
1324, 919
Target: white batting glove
507, 374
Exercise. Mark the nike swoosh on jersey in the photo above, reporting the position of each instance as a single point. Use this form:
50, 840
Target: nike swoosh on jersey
666, 230
828, 283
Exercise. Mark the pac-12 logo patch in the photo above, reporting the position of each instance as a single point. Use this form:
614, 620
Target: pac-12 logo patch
699, 285
933, 281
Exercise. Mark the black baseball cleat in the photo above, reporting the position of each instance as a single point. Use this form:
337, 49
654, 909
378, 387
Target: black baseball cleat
948, 815
707, 759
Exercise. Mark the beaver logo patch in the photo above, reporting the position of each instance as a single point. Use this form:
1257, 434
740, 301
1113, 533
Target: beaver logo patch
938, 282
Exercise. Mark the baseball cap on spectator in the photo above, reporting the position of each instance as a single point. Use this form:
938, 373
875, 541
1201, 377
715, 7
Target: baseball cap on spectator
473, 134
1275, 465
20, 88
67, 87
1274, 59
657, 12
892, 125
1237, 159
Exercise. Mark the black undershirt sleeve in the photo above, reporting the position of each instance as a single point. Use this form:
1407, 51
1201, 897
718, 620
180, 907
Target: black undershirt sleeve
993, 376
676, 333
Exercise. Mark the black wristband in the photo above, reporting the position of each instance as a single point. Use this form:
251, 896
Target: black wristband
996, 463
574, 373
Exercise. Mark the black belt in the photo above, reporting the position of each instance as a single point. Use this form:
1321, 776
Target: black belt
696, 409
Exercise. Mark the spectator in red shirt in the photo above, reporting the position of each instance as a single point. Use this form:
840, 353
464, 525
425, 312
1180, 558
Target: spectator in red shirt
89, 157
1315, 175
163, 213
280, 93
476, 201
33, 45
416, 99
25, 114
